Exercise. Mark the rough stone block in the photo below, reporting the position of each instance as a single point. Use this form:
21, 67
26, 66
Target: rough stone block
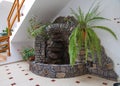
60, 75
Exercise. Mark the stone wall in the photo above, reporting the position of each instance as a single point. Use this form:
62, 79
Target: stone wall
40, 49
39, 66
105, 69
57, 71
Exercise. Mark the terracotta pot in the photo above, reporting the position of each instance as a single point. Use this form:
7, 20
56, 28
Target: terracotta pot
32, 58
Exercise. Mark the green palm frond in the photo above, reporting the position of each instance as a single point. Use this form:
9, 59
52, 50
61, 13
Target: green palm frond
97, 18
75, 14
95, 46
81, 15
92, 13
107, 29
90, 42
72, 48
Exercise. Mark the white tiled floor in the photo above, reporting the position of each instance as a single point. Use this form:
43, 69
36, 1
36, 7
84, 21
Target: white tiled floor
18, 74
16, 48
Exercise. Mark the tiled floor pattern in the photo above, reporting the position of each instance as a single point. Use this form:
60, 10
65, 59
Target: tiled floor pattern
18, 74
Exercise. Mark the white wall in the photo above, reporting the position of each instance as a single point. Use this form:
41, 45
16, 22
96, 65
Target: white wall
15, 47
4, 10
110, 9
19, 31
45, 11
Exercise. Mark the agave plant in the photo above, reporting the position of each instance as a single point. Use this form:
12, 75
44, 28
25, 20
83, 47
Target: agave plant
83, 34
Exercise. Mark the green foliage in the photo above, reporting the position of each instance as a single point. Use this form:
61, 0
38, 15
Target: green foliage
36, 28
33, 25
39, 31
5, 32
83, 34
27, 53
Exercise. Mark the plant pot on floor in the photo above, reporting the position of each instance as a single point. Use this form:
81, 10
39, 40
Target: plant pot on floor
32, 58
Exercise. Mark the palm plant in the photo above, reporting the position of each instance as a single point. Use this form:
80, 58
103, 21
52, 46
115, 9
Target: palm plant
83, 34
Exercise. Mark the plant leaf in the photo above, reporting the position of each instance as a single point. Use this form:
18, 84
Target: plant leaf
97, 18
107, 29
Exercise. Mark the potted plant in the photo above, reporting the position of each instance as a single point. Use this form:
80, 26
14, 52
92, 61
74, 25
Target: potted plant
83, 35
36, 28
5, 32
28, 54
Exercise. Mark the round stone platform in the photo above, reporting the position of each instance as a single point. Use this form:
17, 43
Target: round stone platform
57, 71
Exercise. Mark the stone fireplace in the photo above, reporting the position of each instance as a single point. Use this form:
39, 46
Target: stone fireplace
52, 58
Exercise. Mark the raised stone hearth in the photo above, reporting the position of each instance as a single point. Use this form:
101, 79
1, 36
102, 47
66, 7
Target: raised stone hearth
52, 58
57, 71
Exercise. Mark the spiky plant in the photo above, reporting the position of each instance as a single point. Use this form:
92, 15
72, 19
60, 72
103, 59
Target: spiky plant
83, 34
